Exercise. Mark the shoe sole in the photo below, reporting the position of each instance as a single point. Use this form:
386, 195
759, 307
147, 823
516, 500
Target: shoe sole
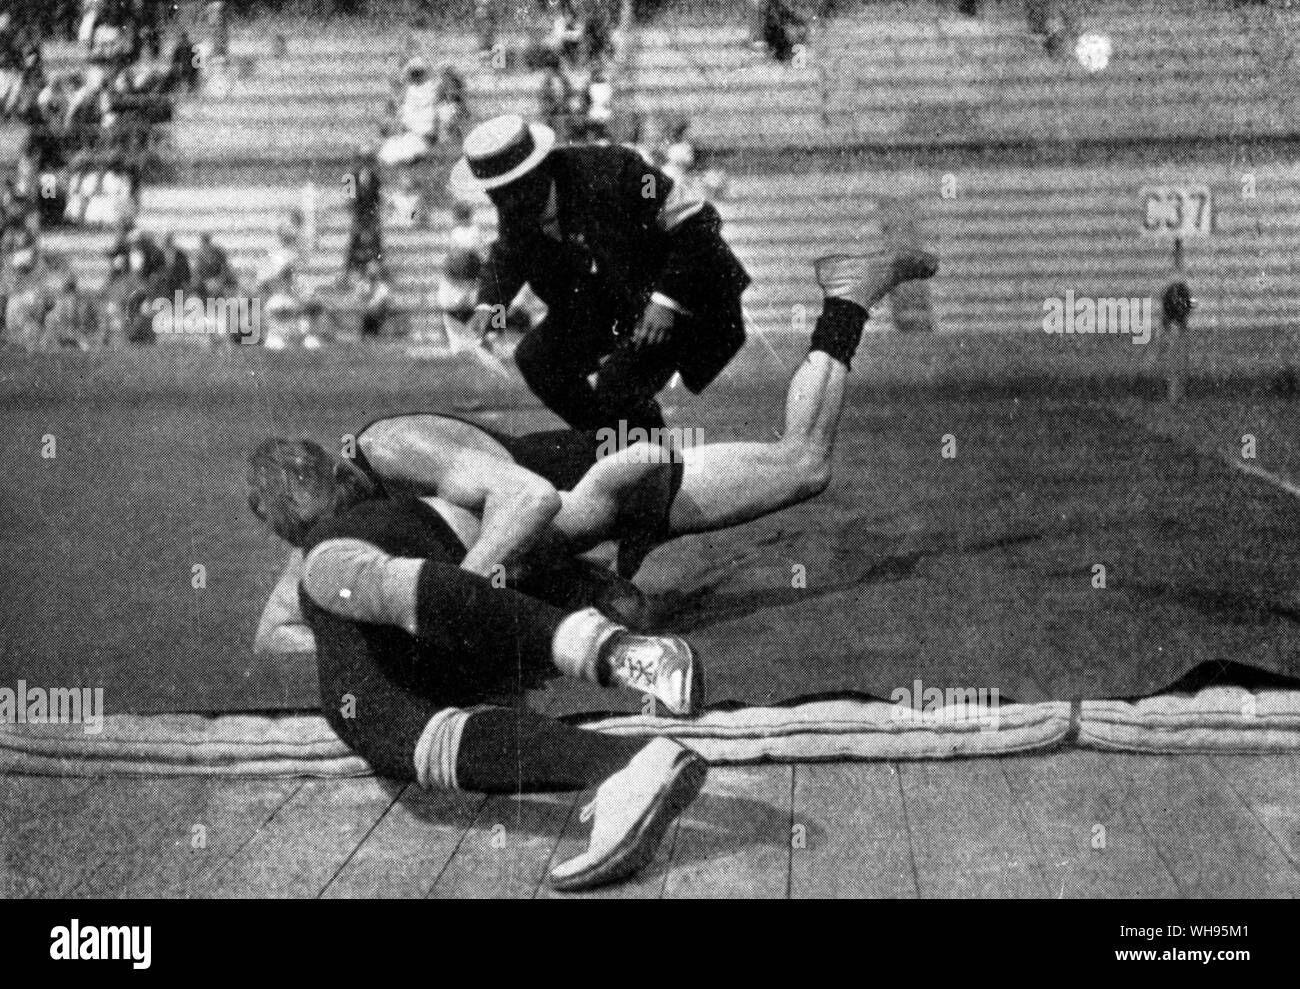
637, 850
926, 259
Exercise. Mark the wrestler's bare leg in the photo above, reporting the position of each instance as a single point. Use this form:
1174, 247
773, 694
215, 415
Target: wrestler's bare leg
723, 484
726, 484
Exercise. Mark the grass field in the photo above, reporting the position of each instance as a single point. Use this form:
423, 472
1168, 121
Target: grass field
974, 571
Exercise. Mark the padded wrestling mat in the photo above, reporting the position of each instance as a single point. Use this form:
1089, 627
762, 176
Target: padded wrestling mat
971, 572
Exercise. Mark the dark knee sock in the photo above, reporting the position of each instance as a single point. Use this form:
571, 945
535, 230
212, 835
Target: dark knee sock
839, 329
516, 751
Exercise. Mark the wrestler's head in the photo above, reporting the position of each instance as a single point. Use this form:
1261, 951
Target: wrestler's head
293, 484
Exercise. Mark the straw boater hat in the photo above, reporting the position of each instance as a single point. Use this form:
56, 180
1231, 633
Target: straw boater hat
499, 151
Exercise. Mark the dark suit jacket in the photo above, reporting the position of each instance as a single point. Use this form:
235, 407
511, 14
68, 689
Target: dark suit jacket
620, 244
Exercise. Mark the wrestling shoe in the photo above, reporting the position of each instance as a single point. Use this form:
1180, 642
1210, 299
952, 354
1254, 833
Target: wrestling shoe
663, 666
630, 814
865, 279
617, 599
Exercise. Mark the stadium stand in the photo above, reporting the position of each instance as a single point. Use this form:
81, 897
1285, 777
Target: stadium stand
879, 110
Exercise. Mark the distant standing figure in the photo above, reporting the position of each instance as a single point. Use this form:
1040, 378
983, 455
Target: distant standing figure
365, 239
459, 283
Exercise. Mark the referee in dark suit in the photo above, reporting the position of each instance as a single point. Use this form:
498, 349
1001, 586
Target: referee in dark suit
636, 277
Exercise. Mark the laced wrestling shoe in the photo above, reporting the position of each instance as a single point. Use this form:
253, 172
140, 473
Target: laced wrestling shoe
867, 278
630, 813
663, 666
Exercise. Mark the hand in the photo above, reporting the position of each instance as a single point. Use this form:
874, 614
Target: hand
480, 323
655, 327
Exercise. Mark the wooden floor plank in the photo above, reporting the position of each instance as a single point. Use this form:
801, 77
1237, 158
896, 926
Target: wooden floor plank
734, 840
1087, 835
1212, 844
968, 836
507, 852
854, 841
307, 841
185, 828
1269, 786
410, 847
41, 819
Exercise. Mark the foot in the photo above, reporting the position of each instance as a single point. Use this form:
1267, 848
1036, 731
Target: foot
631, 813
867, 278
663, 666
617, 599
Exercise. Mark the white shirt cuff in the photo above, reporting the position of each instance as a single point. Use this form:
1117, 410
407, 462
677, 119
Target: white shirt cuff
658, 298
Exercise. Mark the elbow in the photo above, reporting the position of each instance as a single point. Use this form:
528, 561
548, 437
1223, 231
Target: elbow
543, 501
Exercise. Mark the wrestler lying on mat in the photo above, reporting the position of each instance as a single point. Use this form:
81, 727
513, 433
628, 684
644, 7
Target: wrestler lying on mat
423, 653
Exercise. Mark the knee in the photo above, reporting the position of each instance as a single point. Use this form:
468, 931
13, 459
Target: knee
532, 356
541, 360
645, 452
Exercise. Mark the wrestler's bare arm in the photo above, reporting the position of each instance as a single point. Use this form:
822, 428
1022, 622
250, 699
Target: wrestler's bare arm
516, 508
282, 627
432, 455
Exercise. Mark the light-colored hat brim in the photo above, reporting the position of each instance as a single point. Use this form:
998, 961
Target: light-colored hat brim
466, 184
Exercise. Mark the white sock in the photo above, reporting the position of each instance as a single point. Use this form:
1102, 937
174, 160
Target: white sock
578, 642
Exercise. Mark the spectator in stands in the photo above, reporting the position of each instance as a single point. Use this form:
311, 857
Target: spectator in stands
553, 97
485, 25
406, 205
775, 28
678, 153
417, 117
1060, 33
365, 239
31, 80
214, 276
146, 17
183, 70
284, 261
73, 319
22, 279
114, 299
142, 285
375, 295
176, 274
129, 237
597, 31
13, 210
218, 26
109, 33
466, 251
451, 110
600, 106
567, 32
11, 63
